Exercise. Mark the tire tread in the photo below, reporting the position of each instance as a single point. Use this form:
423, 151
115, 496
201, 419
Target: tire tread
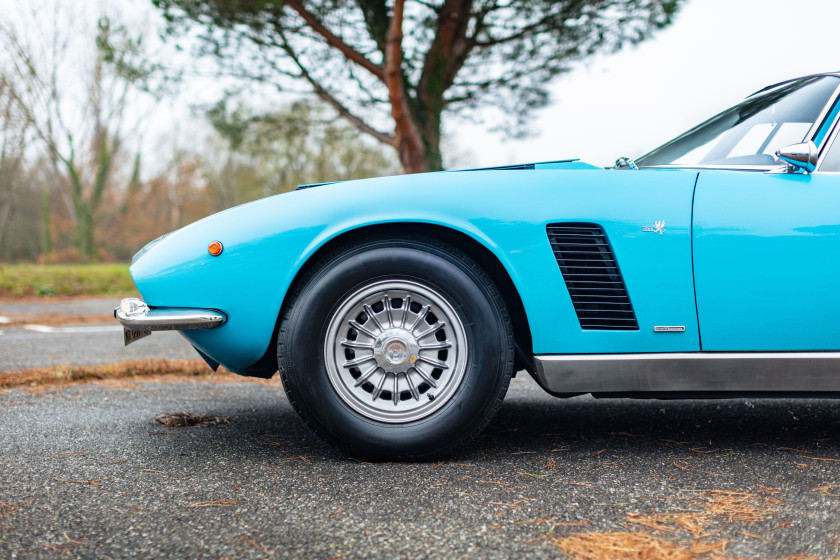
454, 254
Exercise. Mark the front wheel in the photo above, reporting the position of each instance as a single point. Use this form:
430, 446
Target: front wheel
396, 349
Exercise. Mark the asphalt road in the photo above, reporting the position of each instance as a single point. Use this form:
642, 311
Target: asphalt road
36, 345
86, 472
87, 306
22, 348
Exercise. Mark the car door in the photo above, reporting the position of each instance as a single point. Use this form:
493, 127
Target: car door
767, 259
606, 264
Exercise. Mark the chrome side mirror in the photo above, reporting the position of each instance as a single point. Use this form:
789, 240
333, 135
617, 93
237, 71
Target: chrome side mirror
799, 157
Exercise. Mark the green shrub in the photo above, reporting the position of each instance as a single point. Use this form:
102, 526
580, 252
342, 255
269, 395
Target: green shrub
28, 280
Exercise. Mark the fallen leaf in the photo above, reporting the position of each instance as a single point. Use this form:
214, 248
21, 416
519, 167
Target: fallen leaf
88, 482
190, 420
73, 541
216, 503
826, 489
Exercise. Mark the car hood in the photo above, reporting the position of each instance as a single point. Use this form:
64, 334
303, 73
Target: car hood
404, 181
571, 163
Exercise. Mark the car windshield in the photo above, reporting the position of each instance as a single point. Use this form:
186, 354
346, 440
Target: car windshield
752, 131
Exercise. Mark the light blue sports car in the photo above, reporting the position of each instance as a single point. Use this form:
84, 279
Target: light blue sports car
396, 309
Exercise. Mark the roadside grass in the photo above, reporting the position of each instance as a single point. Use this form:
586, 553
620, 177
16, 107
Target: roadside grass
34, 281
192, 370
62, 375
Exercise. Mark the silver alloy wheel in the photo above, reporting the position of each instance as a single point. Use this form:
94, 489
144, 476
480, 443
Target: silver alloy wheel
395, 351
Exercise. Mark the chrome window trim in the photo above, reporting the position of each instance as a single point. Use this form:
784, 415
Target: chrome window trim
829, 141
812, 132
690, 372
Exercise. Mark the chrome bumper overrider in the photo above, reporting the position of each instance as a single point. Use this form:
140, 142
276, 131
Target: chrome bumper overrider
135, 315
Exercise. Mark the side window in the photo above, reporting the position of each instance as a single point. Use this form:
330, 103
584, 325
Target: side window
831, 163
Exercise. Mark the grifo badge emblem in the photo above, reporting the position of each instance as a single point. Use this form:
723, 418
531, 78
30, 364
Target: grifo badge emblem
657, 227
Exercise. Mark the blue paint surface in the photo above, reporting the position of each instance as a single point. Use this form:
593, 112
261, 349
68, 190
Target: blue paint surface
767, 261
266, 243
748, 261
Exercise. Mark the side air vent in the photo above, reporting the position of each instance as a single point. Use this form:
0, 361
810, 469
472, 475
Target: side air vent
592, 276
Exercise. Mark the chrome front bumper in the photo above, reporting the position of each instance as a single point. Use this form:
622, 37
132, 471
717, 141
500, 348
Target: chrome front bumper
137, 317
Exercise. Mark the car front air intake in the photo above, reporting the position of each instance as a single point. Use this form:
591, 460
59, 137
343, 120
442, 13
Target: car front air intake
592, 276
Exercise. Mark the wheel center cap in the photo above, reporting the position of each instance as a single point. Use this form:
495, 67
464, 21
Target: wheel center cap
395, 352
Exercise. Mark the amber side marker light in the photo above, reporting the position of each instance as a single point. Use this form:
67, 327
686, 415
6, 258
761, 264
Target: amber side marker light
215, 248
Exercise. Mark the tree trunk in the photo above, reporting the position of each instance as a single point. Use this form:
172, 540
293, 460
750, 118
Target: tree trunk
430, 124
46, 212
408, 139
6, 214
84, 232
427, 157
86, 207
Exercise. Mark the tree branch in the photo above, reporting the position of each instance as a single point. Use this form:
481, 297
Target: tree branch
523, 31
345, 112
334, 41
375, 13
322, 92
448, 51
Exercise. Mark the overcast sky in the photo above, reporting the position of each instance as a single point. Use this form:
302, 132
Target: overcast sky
716, 53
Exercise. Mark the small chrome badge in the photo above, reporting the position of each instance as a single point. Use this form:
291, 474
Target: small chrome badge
675, 328
657, 227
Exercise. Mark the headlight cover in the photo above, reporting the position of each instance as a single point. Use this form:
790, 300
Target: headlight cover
147, 248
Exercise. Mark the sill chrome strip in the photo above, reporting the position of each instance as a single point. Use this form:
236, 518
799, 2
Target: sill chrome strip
690, 372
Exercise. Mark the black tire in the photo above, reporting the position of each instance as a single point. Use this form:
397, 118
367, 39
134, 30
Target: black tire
464, 287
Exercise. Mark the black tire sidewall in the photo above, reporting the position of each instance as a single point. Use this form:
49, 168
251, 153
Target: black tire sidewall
489, 349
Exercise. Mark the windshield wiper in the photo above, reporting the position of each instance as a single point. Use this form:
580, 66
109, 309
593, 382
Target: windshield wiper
626, 163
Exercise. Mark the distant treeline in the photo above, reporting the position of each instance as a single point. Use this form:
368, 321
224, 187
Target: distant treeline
242, 157
75, 101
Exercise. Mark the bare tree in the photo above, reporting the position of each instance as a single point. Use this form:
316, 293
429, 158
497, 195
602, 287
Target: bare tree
13, 138
73, 89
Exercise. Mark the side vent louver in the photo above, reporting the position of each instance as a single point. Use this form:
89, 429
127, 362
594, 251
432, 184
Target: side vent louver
592, 276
